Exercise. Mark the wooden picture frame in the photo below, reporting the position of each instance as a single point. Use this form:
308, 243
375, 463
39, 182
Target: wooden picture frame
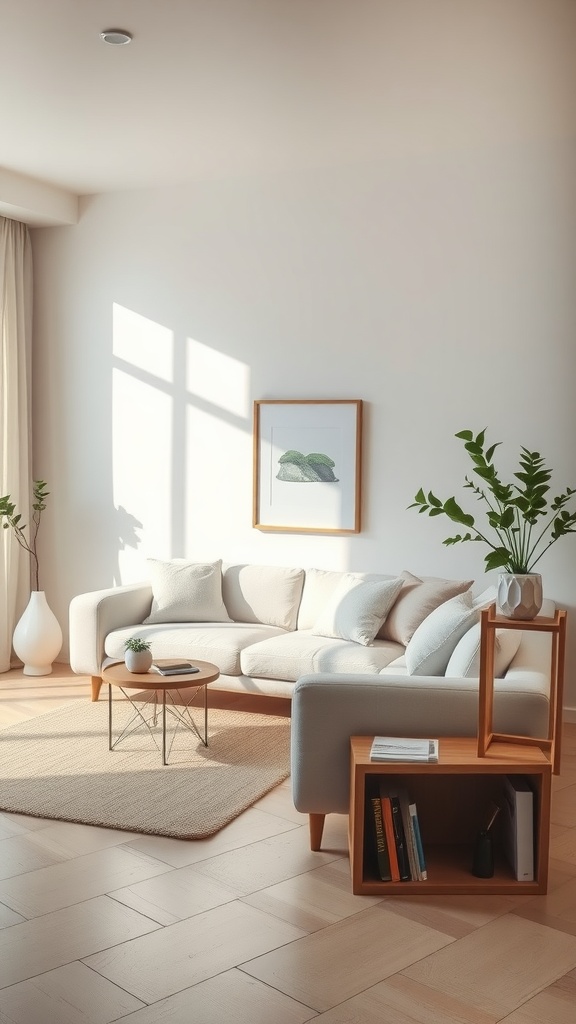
307, 465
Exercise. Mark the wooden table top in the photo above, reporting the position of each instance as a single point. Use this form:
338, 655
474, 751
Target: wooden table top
457, 755
119, 675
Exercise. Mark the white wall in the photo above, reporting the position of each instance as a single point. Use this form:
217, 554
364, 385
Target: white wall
434, 280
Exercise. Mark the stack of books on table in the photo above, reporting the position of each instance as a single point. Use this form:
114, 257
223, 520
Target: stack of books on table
399, 849
181, 668
392, 748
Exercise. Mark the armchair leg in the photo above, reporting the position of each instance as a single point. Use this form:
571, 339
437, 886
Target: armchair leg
96, 684
316, 822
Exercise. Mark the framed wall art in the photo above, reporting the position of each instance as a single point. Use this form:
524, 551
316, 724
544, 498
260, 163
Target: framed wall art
307, 465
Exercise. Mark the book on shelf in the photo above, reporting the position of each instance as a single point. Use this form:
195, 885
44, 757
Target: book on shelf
183, 668
400, 841
393, 748
390, 840
518, 826
418, 841
413, 858
380, 837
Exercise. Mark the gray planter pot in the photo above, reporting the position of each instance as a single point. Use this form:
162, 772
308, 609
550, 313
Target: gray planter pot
520, 596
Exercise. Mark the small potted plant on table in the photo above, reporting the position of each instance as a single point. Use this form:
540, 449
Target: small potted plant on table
138, 657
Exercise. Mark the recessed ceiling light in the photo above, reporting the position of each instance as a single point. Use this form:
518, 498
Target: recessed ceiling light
116, 36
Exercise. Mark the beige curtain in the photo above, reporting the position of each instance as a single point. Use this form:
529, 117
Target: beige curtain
15, 433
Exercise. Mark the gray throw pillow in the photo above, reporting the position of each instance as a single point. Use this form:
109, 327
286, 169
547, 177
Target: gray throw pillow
431, 647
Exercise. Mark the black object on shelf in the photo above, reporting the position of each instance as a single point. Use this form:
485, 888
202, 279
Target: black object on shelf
483, 859
483, 856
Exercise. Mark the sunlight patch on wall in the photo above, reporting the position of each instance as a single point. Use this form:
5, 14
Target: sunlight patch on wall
218, 487
182, 442
218, 378
142, 434
144, 344
142, 439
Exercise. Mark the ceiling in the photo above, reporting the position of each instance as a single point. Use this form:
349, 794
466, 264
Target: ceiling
217, 88
206, 88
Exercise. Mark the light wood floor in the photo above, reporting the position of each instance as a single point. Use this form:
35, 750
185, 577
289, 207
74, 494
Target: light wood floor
251, 927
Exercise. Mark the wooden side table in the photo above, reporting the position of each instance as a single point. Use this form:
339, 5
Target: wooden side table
489, 623
118, 675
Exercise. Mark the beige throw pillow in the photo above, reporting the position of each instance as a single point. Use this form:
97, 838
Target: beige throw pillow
186, 592
357, 609
417, 599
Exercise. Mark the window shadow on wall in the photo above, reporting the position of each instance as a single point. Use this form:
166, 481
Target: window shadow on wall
175, 401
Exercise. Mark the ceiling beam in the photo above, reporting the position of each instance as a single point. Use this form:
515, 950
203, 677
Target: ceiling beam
35, 202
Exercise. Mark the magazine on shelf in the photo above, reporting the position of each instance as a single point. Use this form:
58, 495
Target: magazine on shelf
392, 748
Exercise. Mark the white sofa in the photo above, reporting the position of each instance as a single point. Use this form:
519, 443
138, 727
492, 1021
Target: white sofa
265, 628
260, 637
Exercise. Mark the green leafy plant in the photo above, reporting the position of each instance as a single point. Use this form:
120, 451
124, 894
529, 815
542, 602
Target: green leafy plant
523, 522
12, 520
137, 643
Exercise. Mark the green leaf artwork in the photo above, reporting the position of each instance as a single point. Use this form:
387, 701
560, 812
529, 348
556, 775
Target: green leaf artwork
306, 469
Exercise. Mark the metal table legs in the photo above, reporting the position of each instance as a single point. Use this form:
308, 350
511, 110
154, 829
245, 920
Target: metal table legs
146, 714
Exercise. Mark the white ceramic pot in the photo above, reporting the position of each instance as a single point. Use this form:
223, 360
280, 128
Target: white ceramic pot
37, 638
520, 595
138, 661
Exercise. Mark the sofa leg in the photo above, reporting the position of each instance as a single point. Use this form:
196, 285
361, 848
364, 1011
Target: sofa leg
316, 822
96, 684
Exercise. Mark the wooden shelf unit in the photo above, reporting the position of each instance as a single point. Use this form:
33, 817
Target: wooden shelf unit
452, 799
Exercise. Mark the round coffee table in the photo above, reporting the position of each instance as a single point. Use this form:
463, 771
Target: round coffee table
118, 675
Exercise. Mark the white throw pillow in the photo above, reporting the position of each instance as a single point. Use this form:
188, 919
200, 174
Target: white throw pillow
262, 593
186, 592
357, 609
465, 660
429, 650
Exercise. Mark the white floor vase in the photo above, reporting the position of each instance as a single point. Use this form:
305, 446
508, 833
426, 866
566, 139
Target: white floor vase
37, 638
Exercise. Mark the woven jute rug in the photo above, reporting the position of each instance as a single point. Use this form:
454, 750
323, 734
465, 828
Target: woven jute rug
58, 766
